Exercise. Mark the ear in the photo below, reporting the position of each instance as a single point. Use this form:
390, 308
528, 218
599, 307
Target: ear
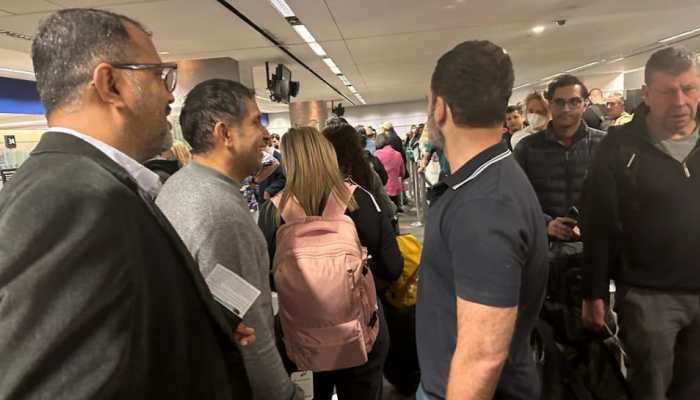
645, 94
441, 111
224, 133
107, 85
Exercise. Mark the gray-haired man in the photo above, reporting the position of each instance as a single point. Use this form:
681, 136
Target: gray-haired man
99, 298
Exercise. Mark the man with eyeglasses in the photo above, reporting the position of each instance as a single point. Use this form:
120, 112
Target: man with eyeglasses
641, 228
99, 297
556, 161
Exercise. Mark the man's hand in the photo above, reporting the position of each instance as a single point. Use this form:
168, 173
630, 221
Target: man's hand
244, 335
593, 314
564, 228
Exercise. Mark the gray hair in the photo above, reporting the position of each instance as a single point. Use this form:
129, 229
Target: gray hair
68, 46
671, 60
207, 103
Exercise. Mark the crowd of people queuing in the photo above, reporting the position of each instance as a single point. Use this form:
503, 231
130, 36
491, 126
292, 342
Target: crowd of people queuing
106, 282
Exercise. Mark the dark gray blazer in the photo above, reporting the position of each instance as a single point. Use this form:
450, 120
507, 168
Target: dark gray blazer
99, 298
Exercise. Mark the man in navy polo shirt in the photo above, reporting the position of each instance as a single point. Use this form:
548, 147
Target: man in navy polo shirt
484, 265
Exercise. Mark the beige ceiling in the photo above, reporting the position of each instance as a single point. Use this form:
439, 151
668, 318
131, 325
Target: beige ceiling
387, 48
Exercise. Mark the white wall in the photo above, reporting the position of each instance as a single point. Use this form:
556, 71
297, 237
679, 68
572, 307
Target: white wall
634, 79
401, 115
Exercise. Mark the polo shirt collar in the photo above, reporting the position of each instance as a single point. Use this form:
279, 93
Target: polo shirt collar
472, 168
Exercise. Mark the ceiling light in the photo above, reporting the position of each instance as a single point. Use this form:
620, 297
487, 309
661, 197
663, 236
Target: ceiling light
318, 50
283, 8
580, 67
538, 29
359, 97
345, 80
616, 60
16, 71
550, 77
334, 68
680, 35
304, 33
522, 86
352, 89
163, 53
15, 35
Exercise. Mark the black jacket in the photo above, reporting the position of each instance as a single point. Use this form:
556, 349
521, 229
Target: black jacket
555, 171
163, 168
373, 228
273, 184
94, 281
595, 115
377, 166
642, 219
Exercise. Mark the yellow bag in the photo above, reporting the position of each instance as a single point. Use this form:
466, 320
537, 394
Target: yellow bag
402, 292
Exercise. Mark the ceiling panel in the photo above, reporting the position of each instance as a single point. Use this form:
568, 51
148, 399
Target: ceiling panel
27, 6
99, 3
387, 48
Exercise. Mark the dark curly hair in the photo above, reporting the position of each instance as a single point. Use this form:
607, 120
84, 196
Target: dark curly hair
351, 156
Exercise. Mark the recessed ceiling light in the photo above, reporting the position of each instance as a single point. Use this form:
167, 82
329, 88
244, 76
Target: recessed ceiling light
580, 67
318, 50
283, 8
680, 35
538, 29
163, 53
334, 68
16, 71
616, 60
522, 86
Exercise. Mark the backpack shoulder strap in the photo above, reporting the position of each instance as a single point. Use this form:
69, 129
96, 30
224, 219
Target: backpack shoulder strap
292, 210
335, 206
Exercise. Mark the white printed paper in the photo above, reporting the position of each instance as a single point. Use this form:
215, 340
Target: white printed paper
232, 291
305, 380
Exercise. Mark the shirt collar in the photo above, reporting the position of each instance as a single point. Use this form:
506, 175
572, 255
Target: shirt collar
147, 180
552, 136
472, 168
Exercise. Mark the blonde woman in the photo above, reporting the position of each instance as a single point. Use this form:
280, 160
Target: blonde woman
312, 176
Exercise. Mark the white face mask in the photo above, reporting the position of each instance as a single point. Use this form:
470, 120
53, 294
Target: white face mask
536, 120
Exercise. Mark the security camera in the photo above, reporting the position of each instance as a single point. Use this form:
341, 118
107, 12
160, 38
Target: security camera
561, 22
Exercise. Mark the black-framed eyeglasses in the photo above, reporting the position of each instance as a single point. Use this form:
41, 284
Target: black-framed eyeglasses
572, 102
168, 72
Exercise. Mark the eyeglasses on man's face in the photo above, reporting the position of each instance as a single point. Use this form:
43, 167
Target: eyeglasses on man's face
573, 102
168, 72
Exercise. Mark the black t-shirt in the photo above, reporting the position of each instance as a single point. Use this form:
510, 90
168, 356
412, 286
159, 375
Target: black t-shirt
485, 243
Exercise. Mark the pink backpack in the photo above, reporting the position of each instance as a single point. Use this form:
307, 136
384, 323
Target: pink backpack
328, 303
